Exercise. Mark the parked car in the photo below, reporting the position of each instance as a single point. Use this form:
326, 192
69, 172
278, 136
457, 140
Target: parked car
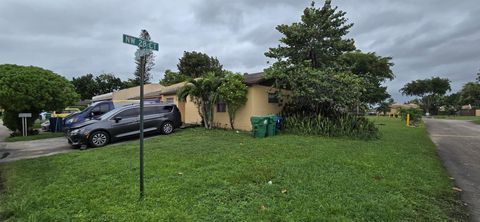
66, 112
97, 109
45, 125
123, 122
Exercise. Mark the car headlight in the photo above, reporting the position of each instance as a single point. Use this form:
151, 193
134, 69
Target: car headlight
72, 120
76, 131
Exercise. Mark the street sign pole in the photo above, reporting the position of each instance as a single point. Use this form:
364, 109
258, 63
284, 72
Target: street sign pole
142, 76
145, 48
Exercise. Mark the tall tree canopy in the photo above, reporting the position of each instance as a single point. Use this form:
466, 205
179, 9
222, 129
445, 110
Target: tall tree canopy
192, 65
170, 78
196, 64
470, 94
108, 82
374, 69
428, 90
318, 38
89, 85
86, 86
308, 63
147, 65
32, 89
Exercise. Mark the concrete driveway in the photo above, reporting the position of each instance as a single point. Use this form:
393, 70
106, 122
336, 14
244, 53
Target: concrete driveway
458, 144
30, 149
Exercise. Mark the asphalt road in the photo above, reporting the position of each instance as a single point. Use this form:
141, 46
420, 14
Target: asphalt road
458, 144
30, 149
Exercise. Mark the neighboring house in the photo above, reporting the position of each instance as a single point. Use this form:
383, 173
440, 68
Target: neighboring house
395, 108
128, 93
261, 100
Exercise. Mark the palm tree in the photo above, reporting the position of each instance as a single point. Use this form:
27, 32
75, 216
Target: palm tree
204, 93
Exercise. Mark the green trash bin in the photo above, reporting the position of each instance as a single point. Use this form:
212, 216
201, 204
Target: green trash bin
259, 126
272, 125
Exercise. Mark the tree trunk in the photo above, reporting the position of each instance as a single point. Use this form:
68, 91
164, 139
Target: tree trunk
231, 117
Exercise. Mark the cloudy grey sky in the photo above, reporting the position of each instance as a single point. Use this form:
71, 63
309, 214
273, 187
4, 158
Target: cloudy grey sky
72, 38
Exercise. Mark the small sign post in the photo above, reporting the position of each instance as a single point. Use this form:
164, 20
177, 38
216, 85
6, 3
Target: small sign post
24, 117
145, 47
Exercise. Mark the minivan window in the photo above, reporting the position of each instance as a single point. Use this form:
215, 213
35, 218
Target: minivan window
101, 109
164, 109
157, 110
150, 110
129, 113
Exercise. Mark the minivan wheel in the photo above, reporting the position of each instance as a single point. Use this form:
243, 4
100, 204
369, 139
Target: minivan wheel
166, 128
98, 139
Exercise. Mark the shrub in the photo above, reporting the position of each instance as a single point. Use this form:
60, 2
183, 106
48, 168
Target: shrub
14, 123
415, 114
343, 125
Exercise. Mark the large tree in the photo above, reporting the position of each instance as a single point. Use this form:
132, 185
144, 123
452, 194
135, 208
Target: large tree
196, 64
192, 65
374, 69
478, 76
86, 86
470, 94
149, 62
32, 89
233, 92
318, 38
170, 78
108, 82
429, 90
308, 63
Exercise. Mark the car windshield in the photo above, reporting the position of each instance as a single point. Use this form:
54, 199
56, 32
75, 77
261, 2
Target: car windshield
107, 114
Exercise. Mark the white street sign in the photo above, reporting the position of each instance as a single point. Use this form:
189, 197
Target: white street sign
20, 115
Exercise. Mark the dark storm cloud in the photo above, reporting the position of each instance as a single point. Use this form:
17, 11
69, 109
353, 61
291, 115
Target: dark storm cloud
425, 38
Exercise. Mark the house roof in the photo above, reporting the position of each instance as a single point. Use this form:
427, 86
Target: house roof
249, 79
404, 106
106, 96
254, 78
168, 90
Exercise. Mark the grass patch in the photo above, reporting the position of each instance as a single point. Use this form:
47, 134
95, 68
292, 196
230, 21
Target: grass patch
220, 175
474, 119
37, 124
43, 135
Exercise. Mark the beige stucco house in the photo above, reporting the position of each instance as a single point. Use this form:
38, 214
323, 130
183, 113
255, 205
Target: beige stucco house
129, 93
395, 108
261, 100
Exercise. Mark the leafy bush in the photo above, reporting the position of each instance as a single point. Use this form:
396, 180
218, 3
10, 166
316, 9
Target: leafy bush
343, 125
29, 89
415, 114
13, 122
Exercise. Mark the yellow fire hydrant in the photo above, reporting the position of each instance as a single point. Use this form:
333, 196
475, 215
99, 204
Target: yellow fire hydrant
408, 119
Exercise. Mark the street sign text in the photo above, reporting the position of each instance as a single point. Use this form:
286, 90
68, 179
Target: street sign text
142, 43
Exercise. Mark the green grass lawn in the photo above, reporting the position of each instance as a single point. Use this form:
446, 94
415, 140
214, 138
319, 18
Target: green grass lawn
218, 175
473, 119
42, 135
38, 124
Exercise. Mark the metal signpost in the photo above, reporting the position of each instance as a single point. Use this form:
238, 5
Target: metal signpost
24, 117
145, 47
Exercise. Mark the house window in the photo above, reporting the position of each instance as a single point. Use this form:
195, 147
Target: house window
272, 98
221, 107
170, 100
